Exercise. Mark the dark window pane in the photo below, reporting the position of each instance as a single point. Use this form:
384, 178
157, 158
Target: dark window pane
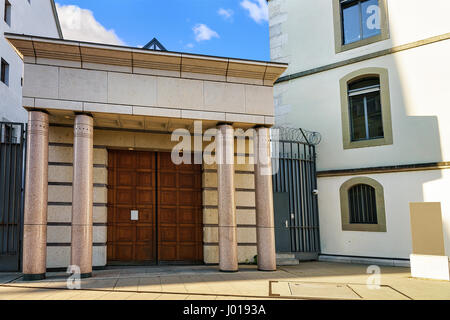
370, 18
362, 204
364, 83
357, 118
351, 23
4, 77
374, 115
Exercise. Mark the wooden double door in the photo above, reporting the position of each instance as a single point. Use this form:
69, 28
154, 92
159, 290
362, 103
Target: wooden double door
154, 209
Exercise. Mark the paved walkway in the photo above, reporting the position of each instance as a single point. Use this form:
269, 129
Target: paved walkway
309, 280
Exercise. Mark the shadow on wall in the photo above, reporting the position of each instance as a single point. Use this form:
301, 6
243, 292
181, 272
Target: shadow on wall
417, 97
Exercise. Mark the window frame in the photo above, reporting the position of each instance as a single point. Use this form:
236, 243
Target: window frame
4, 72
7, 13
363, 92
362, 196
339, 29
345, 210
383, 75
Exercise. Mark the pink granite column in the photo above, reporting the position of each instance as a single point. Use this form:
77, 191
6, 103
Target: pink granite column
228, 261
36, 197
265, 231
82, 194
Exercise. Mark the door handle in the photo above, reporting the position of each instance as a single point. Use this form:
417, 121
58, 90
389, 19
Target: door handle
287, 224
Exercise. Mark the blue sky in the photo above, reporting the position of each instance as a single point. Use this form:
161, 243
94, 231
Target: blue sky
231, 28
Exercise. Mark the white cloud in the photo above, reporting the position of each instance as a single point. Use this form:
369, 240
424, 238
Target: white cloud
257, 9
203, 32
190, 45
80, 24
227, 14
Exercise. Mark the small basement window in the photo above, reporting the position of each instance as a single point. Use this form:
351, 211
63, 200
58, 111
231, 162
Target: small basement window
362, 204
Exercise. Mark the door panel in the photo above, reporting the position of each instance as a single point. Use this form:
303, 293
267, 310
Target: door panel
179, 211
132, 186
282, 218
169, 201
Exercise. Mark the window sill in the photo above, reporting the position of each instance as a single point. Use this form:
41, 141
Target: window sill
361, 43
364, 227
367, 143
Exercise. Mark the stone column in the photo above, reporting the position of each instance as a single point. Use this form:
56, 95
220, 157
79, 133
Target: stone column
36, 197
228, 261
265, 231
82, 194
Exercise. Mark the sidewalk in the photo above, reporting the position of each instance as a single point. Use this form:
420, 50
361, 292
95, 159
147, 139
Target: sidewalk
309, 280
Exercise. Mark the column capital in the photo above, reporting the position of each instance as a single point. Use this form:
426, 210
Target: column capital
38, 110
88, 114
221, 124
262, 126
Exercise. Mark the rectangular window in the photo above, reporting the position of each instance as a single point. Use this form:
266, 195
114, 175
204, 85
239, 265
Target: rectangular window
4, 76
366, 119
7, 16
360, 20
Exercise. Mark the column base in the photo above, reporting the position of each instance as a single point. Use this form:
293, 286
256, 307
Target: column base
86, 275
229, 271
266, 270
33, 277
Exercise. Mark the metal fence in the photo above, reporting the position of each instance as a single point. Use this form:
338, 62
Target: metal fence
12, 156
295, 190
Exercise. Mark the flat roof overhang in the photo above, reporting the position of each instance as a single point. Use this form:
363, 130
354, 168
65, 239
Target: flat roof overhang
87, 52
182, 65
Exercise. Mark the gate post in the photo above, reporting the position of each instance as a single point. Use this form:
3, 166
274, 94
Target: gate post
82, 194
36, 196
228, 260
265, 231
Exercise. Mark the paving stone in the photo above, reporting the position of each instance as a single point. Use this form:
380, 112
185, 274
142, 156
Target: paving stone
308, 279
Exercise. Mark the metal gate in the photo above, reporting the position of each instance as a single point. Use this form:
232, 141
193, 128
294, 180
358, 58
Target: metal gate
295, 190
12, 156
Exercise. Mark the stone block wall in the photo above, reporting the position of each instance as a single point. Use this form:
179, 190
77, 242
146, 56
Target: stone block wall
60, 195
59, 216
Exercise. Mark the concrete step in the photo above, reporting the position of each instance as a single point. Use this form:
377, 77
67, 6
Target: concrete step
285, 255
287, 262
287, 259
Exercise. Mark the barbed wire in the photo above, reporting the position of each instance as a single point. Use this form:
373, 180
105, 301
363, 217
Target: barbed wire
297, 135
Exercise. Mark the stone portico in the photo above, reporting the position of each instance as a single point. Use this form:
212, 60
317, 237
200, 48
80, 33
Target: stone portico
86, 100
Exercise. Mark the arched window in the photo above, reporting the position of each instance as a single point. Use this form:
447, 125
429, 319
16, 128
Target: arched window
362, 205
366, 121
366, 109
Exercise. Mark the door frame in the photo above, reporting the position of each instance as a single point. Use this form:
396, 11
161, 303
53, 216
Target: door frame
157, 260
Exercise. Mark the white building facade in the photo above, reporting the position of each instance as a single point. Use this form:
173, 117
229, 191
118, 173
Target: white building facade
32, 17
372, 77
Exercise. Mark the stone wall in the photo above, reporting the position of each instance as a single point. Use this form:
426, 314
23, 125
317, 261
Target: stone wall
245, 212
59, 217
60, 195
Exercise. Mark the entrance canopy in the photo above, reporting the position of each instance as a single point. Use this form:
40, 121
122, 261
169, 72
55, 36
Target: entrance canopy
132, 88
